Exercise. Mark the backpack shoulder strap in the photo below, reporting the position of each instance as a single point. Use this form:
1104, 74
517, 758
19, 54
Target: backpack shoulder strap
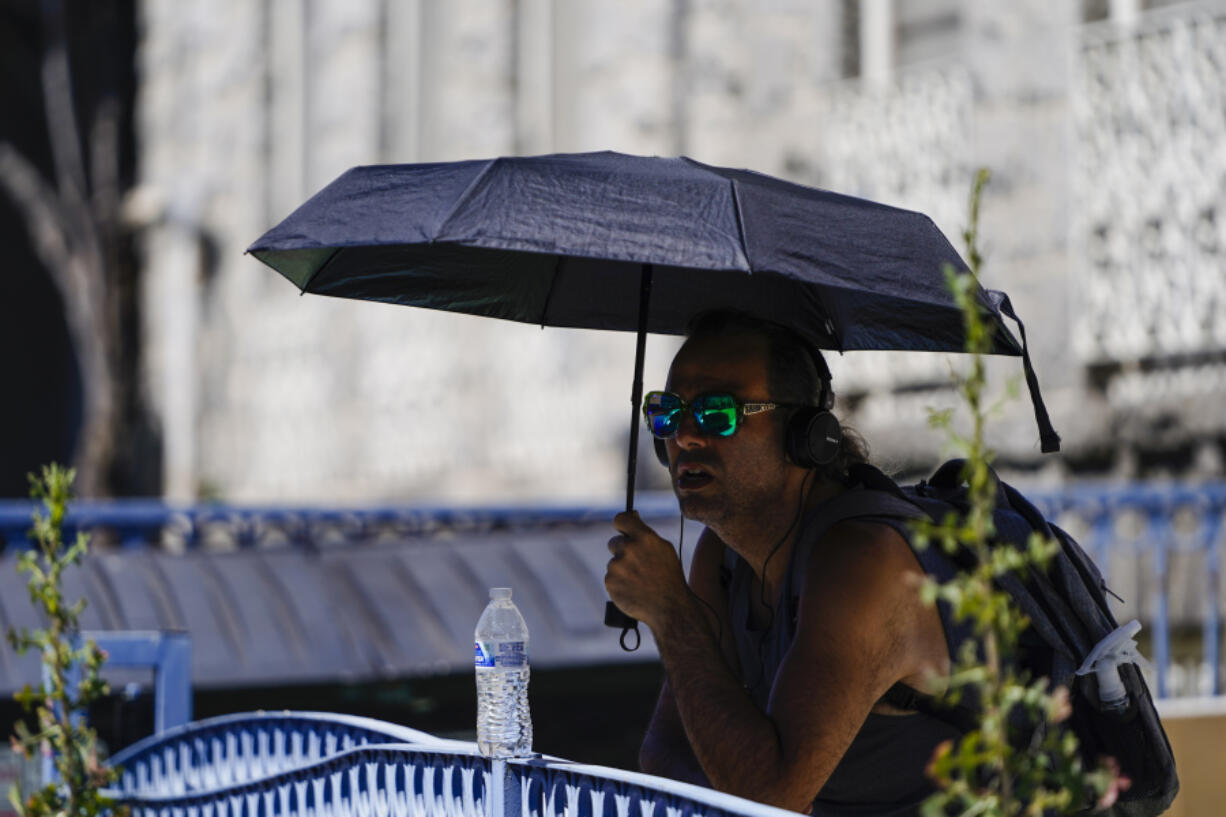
960, 716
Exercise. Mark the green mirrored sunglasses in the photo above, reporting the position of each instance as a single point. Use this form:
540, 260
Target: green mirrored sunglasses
716, 414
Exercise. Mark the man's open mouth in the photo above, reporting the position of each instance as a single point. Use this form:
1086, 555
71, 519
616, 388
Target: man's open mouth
692, 477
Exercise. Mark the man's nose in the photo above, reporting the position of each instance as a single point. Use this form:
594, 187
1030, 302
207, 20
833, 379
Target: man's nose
688, 434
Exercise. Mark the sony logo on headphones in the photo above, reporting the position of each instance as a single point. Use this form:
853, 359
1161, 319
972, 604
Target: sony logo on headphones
832, 440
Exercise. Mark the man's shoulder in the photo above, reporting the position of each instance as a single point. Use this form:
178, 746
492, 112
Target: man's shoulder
866, 534
863, 521
861, 582
867, 554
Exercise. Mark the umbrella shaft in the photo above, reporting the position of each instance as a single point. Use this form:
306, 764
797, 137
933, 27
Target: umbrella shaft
612, 616
636, 393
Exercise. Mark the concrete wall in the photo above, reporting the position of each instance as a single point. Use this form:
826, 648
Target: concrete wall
247, 108
1197, 731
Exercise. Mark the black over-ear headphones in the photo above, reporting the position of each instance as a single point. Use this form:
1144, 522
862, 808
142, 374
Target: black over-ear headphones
813, 434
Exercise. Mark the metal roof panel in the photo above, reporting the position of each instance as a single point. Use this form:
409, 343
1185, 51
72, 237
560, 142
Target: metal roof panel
389, 608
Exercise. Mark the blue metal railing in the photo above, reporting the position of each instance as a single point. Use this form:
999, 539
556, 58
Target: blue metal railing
169, 655
1171, 521
1156, 536
418, 778
140, 523
231, 750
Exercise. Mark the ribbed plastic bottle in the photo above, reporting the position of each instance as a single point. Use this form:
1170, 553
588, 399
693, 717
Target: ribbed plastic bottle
504, 724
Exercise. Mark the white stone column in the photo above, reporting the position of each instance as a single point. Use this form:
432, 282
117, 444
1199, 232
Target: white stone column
177, 313
403, 78
877, 42
534, 72
287, 115
1125, 13
342, 92
467, 104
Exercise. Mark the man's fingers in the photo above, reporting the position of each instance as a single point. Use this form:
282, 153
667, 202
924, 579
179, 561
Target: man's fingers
629, 523
643, 572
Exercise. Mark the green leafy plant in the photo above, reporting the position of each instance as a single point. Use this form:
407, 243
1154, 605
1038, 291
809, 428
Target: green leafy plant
1020, 760
71, 670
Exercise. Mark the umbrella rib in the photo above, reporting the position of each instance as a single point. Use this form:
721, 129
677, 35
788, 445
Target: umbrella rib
830, 328
306, 285
460, 199
553, 279
740, 223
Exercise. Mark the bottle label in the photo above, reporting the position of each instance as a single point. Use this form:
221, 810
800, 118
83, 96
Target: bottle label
500, 654
483, 655
511, 654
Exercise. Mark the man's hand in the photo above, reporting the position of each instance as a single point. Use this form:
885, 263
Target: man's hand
644, 578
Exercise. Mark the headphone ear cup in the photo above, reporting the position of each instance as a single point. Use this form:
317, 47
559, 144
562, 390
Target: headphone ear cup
661, 451
813, 437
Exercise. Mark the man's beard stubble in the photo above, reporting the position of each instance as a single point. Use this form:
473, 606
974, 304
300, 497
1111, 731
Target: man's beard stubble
741, 497
709, 511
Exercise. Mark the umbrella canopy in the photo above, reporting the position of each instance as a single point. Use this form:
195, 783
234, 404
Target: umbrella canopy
560, 240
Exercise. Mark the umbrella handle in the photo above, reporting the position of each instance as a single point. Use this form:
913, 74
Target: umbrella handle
613, 617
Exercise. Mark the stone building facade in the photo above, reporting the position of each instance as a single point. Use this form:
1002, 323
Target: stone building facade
1101, 122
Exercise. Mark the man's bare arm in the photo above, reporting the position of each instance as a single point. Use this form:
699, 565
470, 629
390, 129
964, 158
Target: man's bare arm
850, 647
666, 749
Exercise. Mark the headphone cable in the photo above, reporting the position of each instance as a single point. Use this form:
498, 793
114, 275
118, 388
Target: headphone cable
770, 621
719, 636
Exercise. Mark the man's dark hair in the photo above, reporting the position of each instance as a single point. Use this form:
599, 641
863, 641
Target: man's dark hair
792, 373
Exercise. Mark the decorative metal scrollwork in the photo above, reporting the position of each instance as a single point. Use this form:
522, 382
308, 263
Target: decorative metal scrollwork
409, 780
1149, 114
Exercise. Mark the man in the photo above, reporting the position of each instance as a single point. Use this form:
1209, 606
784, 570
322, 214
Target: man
769, 697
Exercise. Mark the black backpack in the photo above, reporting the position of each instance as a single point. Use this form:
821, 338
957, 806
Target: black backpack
1068, 612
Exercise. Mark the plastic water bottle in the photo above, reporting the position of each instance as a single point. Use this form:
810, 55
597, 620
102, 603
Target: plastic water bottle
504, 724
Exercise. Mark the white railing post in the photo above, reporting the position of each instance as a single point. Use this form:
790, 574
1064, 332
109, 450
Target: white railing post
505, 794
496, 802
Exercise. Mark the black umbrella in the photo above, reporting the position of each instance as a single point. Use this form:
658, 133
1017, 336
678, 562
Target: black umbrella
610, 241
